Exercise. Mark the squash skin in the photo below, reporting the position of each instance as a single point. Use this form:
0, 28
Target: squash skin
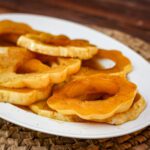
67, 99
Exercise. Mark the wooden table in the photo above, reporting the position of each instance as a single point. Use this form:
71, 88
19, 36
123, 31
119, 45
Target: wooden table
131, 16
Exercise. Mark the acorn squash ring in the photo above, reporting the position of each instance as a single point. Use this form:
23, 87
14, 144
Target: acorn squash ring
70, 98
122, 64
33, 73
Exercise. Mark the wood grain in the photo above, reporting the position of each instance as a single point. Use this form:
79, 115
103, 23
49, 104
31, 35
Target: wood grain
128, 16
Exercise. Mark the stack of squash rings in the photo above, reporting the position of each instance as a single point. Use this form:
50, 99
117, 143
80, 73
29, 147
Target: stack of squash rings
62, 78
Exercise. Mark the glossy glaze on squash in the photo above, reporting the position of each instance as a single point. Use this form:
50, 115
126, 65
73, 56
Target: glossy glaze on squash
122, 64
68, 98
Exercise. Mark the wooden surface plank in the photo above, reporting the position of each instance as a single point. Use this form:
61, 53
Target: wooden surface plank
128, 16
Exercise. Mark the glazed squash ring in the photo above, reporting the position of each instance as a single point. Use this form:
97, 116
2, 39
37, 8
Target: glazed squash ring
35, 73
77, 48
122, 63
68, 99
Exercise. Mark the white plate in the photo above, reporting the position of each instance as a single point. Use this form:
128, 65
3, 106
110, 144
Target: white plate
140, 75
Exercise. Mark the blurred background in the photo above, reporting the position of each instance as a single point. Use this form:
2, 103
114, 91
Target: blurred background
130, 16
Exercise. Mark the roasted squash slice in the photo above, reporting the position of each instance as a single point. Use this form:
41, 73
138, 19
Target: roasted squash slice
122, 64
70, 98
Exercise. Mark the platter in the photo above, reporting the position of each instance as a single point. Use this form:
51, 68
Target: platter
140, 75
